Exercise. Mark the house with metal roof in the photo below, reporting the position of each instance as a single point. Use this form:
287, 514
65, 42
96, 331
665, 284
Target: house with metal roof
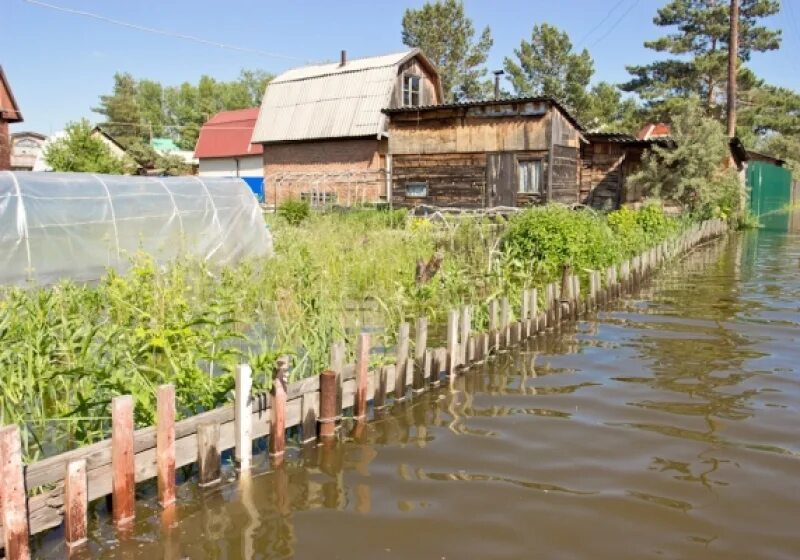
9, 113
323, 134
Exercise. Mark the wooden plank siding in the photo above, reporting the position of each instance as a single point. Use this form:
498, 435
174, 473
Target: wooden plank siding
468, 156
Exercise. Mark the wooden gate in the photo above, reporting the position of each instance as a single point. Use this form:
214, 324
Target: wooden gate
501, 180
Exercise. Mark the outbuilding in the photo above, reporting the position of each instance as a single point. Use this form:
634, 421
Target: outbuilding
501, 152
224, 150
9, 113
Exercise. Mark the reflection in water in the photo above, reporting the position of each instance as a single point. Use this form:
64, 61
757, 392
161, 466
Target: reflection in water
666, 426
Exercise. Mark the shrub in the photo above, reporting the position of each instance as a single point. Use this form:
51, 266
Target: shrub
294, 211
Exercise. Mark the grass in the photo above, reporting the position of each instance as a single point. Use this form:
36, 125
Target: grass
67, 350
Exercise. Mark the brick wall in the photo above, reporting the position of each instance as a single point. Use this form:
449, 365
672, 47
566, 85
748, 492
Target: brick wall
353, 170
5, 146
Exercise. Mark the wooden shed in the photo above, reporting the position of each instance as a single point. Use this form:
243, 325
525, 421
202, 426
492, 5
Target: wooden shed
607, 159
502, 152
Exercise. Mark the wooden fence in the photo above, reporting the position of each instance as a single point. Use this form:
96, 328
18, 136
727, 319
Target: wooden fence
114, 466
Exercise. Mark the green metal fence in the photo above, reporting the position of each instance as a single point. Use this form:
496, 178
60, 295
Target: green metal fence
770, 192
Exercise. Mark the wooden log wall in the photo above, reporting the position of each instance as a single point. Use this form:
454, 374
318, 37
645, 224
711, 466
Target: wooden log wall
129, 457
602, 175
452, 179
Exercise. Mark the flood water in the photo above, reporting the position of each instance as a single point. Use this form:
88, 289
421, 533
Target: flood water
667, 426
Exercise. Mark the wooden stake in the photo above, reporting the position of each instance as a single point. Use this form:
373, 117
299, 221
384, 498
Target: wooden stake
75, 504
494, 327
308, 410
525, 313
327, 405
439, 366
338, 350
381, 387
452, 342
165, 444
401, 361
209, 464
505, 321
466, 331
122, 460
277, 426
243, 414
13, 499
420, 349
362, 369
421, 371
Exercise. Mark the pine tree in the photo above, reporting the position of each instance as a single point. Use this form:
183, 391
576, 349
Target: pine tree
700, 46
124, 120
447, 37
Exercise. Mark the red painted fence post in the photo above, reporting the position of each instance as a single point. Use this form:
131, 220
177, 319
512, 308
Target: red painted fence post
13, 499
122, 460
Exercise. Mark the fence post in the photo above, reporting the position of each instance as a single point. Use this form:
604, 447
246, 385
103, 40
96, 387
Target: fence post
165, 444
277, 424
327, 404
208, 458
401, 361
381, 387
337, 366
466, 331
362, 367
525, 312
452, 342
421, 356
13, 500
439, 365
422, 371
505, 320
243, 417
494, 332
122, 459
75, 504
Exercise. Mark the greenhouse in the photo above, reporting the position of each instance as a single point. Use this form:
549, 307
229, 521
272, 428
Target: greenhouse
77, 225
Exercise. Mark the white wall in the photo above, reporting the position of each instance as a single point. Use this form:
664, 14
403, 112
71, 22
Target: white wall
249, 166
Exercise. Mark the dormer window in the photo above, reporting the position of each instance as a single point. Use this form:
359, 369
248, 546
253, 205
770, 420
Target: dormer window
411, 90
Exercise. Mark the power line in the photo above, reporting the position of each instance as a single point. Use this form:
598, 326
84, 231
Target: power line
615, 24
161, 31
599, 24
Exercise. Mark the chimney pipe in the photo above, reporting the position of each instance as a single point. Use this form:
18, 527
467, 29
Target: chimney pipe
344, 58
497, 74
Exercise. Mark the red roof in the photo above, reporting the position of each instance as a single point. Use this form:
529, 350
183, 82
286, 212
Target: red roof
227, 134
654, 130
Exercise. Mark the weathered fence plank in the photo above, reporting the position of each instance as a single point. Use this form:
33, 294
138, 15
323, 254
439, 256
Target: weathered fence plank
122, 459
165, 444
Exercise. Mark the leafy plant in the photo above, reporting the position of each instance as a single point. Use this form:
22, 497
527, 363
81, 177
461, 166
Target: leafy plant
294, 211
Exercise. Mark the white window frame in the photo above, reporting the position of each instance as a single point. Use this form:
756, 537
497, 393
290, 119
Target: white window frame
408, 90
522, 184
417, 184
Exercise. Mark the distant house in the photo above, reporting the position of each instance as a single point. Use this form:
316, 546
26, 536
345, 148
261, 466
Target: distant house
115, 147
9, 113
224, 150
168, 147
500, 152
322, 129
25, 148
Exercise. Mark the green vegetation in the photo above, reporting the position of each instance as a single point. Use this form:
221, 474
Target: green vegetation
65, 351
294, 211
78, 150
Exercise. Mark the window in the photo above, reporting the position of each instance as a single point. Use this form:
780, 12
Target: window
530, 176
417, 190
411, 90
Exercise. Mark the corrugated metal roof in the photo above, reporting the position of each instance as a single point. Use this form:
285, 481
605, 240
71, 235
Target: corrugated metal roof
329, 100
227, 134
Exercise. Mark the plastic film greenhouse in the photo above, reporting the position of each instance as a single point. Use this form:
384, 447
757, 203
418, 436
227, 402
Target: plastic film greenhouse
77, 225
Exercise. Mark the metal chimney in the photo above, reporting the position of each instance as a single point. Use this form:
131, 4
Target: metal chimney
344, 58
497, 74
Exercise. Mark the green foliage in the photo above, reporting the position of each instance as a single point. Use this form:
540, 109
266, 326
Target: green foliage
79, 150
637, 230
693, 172
447, 37
139, 109
700, 44
539, 241
66, 351
547, 65
294, 211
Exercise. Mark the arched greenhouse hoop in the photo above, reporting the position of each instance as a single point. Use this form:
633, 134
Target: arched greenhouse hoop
75, 226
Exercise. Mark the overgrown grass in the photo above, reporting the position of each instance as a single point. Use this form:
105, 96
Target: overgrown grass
67, 350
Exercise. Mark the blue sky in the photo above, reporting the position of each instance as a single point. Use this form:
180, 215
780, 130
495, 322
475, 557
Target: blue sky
58, 64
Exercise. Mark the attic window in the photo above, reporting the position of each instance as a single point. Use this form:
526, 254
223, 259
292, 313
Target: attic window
411, 90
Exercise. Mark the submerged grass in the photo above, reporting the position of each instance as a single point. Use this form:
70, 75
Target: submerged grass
67, 350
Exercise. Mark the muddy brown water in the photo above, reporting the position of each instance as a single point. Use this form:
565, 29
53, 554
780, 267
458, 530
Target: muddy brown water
666, 426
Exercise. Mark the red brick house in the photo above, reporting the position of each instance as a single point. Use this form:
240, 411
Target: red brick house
9, 113
322, 130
